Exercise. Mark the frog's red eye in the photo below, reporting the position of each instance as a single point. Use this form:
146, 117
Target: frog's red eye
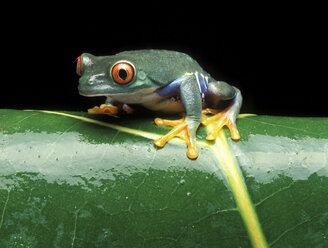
79, 65
122, 72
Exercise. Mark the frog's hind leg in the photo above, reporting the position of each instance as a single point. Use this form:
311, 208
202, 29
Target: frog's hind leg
225, 118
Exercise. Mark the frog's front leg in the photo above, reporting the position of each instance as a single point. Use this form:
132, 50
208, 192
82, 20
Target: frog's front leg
186, 127
111, 107
218, 91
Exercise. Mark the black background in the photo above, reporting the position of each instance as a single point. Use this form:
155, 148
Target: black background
275, 56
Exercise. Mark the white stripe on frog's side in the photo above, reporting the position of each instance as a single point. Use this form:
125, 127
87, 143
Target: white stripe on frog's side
196, 74
205, 77
202, 80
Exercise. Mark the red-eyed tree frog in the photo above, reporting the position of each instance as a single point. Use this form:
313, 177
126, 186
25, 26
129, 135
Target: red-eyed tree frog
165, 81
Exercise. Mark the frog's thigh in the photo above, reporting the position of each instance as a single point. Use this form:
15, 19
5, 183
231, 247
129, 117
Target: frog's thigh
220, 90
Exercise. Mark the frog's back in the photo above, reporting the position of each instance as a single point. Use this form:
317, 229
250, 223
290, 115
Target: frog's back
162, 66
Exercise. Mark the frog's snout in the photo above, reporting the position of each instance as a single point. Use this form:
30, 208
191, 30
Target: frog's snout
84, 61
79, 65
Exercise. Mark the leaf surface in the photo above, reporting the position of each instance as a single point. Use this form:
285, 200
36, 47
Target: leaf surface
69, 179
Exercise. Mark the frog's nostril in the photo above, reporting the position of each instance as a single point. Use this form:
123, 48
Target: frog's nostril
79, 65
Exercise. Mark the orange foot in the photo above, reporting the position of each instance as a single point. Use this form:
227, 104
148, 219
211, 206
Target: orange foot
180, 128
224, 118
103, 109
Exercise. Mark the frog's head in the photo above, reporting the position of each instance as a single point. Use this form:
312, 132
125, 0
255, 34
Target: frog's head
111, 76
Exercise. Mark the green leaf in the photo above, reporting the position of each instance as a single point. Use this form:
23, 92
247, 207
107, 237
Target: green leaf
70, 179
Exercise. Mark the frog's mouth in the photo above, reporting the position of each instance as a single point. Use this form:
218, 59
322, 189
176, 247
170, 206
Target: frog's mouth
89, 94
135, 97
88, 91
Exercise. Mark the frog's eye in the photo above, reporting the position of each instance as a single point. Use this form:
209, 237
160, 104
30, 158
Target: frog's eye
79, 65
122, 72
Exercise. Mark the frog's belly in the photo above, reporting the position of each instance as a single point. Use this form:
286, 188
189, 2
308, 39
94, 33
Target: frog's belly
171, 105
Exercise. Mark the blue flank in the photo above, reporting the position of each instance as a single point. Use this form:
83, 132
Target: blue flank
203, 83
173, 88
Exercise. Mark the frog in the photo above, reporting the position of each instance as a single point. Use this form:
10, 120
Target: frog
162, 81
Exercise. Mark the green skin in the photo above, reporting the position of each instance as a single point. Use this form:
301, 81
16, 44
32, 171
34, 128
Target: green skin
153, 71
